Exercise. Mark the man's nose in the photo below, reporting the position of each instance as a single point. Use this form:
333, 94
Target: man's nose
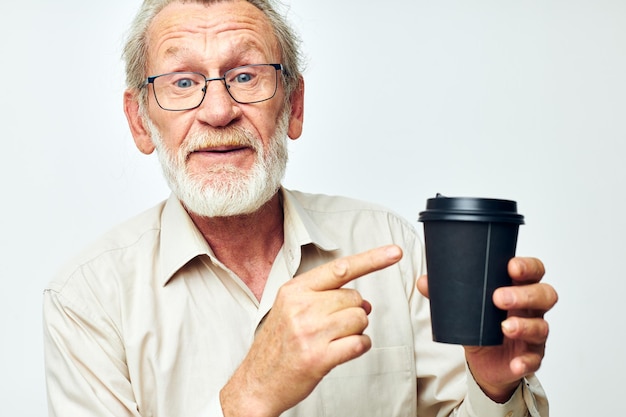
218, 108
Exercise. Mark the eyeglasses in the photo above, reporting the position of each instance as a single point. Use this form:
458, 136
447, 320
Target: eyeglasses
178, 91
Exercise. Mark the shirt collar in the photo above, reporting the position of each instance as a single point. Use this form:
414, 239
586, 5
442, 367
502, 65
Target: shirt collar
300, 228
181, 241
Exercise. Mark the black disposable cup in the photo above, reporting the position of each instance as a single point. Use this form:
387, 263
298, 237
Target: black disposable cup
469, 242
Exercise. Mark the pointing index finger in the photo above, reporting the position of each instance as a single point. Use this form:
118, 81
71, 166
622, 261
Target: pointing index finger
339, 272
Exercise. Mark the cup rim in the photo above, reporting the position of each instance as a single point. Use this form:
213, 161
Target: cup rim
476, 209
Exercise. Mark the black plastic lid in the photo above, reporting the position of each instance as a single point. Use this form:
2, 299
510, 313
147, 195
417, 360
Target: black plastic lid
470, 209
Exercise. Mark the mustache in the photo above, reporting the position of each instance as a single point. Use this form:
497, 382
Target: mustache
227, 137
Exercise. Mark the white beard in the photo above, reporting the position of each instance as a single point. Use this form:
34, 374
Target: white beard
225, 190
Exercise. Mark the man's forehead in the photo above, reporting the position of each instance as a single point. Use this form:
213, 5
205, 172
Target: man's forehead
242, 46
239, 22
218, 17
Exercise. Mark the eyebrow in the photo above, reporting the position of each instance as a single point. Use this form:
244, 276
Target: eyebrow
175, 51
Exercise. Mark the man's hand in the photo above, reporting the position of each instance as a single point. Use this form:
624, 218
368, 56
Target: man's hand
498, 369
314, 325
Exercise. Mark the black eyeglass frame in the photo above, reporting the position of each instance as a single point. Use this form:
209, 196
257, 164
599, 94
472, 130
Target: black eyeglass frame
277, 67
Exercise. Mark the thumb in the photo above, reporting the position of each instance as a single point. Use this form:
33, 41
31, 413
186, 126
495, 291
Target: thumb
422, 285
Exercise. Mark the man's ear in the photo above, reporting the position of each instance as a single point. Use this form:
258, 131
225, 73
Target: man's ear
142, 138
297, 111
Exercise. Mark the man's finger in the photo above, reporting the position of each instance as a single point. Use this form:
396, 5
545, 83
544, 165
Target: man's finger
339, 272
422, 285
540, 297
526, 270
346, 348
530, 330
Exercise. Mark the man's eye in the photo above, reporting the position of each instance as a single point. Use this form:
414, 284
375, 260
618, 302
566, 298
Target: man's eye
184, 83
243, 78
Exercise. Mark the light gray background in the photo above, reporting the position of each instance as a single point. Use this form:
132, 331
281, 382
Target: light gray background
523, 100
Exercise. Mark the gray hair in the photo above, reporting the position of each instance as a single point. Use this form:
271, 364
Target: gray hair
136, 48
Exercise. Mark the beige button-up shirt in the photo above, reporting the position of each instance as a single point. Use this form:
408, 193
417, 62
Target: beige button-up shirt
148, 322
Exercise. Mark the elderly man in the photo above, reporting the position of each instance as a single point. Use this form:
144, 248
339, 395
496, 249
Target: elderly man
237, 297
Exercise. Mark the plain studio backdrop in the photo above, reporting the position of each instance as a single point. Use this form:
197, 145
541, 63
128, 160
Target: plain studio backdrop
524, 100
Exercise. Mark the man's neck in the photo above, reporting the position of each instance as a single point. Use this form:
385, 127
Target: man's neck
246, 244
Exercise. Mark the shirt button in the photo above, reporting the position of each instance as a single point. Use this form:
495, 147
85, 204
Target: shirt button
509, 414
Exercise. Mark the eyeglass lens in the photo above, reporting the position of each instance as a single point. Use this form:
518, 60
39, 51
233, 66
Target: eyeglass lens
186, 90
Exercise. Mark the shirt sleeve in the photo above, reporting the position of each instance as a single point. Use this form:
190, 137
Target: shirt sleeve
86, 373
528, 400
85, 363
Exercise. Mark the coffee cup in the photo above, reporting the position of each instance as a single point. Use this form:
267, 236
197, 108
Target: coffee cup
469, 242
